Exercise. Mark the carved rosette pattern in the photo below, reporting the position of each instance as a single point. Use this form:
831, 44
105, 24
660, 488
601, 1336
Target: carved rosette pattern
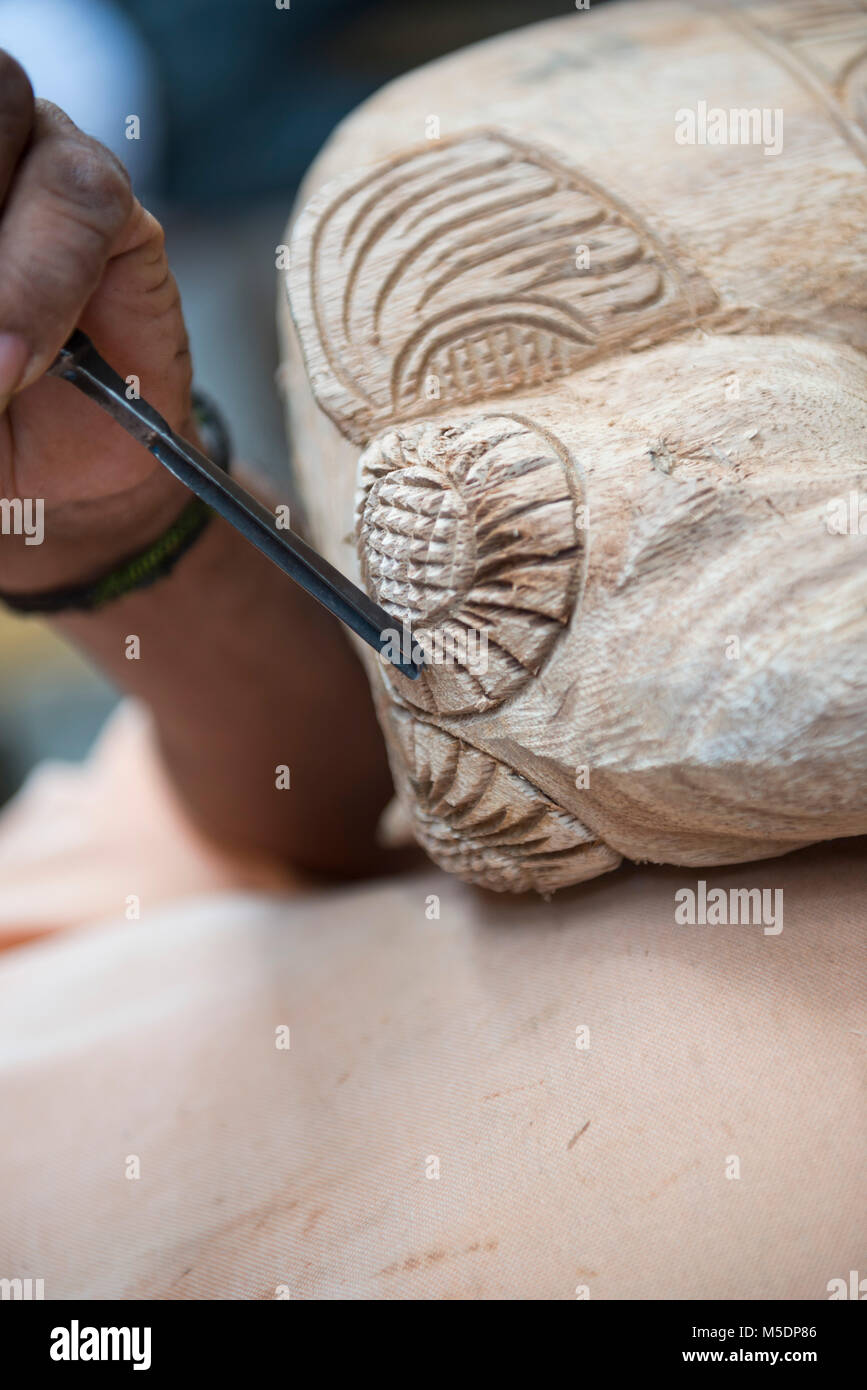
472, 267
478, 819
468, 534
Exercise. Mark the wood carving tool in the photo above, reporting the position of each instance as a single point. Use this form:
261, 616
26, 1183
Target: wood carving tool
79, 363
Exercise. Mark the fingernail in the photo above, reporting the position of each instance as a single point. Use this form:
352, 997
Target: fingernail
14, 352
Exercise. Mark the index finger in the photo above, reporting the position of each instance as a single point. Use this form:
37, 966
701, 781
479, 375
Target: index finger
67, 205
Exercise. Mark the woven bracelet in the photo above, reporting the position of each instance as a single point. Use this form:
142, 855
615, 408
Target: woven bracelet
154, 561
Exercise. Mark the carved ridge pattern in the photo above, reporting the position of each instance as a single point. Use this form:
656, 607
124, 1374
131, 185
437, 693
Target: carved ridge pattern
450, 273
825, 47
467, 531
478, 819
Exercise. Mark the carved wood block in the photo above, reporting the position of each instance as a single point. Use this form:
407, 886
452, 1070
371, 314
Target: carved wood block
568, 389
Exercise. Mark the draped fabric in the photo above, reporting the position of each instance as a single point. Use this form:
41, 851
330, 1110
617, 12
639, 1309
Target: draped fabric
412, 1089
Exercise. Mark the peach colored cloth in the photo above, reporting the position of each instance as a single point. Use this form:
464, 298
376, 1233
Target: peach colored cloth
422, 1045
79, 841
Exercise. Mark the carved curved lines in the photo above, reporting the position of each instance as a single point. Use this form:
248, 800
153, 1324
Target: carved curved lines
824, 47
852, 87
456, 265
478, 819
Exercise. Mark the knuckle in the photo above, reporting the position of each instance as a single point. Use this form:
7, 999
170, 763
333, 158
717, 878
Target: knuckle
154, 232
50, 117
89, 176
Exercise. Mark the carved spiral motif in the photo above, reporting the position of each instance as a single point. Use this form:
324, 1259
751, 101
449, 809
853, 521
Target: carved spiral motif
468, 534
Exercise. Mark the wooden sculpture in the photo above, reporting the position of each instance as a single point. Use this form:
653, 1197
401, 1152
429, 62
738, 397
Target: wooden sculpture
574, 328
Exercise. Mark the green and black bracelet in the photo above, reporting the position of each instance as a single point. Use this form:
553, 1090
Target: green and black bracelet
154, 561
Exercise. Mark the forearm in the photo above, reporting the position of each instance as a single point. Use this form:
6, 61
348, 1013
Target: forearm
245, 675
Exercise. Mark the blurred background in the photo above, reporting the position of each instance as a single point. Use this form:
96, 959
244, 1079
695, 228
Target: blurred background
234, 98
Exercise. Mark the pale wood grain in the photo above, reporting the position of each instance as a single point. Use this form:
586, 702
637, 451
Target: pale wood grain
557, 378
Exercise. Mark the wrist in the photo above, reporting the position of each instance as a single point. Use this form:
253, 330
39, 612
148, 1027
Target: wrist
79, 541
74, 543
106, 548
